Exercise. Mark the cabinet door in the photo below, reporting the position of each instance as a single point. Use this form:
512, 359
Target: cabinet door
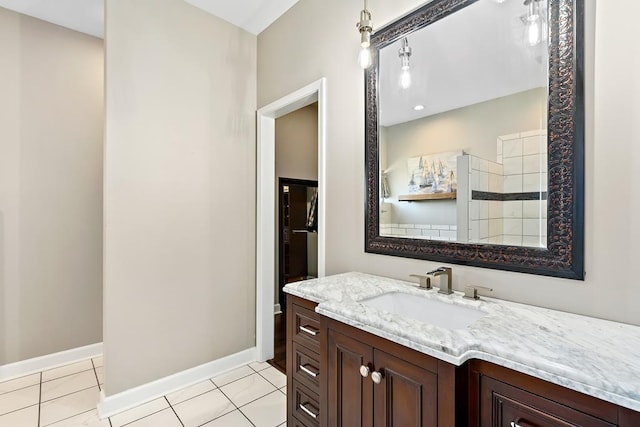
350, 396
406, 396
502, 405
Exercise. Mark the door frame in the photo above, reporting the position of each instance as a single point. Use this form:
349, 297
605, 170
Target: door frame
266, 244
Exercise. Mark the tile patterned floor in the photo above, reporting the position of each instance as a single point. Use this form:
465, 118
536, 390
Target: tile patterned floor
253, 396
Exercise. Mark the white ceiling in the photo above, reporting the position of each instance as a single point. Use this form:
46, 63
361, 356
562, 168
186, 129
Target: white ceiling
252, 15
474, 55
87, 16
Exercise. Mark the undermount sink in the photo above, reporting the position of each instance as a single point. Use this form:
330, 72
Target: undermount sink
427, 310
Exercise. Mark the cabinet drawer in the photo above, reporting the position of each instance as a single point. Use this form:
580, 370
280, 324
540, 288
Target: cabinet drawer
306, 367
502, 405
306, 328
306, 406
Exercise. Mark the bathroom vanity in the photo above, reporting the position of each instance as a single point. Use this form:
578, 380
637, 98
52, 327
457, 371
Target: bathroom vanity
352, 363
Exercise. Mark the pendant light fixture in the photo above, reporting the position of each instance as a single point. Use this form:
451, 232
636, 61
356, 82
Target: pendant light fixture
365, 29
534, 23
405, 70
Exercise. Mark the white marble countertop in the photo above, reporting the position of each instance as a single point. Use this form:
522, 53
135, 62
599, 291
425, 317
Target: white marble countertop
593, 356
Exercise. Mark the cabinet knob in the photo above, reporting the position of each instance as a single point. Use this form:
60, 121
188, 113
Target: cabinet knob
376, 377
364, 371
515, 424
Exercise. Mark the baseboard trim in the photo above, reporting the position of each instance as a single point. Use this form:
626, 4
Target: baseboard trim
111, 405
277, 309
49, 361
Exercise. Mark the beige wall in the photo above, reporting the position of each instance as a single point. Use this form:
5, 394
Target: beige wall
472, 129
325, 44
297, 144
51, 126
179, 190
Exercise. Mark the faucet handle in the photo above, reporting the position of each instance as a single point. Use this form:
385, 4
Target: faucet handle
471, 292
425, 282
440, 270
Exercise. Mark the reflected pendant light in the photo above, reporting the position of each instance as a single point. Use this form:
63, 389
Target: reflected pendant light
534, 23
365, 29
405, 72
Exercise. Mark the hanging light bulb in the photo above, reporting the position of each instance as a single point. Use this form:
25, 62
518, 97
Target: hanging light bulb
405, 79
533, 23
405, 74
365, 29
364, 58
533, 33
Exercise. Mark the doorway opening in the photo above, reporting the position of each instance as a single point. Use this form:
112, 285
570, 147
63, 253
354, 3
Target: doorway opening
266, 241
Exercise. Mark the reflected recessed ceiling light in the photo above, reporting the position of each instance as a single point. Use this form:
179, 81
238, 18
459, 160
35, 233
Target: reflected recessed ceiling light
418, 107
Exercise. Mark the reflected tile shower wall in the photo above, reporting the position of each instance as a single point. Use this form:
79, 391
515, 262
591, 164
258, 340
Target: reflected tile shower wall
508, 198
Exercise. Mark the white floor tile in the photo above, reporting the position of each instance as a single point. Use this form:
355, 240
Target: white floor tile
247, 389
63, 371
139, 412
98, 361
67, 385
87, 419
69, 395
259, 366
19, 399
190, 392
203, 408
232, 419
68, 406
27, 417
267, 411
18, 383
164, 418
233, 375
274, 376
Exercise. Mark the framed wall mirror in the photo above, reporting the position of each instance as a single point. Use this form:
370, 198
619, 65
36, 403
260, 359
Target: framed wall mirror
474, 120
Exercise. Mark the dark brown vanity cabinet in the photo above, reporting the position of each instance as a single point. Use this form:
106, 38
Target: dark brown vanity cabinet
350, 396
327, 388
501, 397
373, 382
369, 387
341, 376
303, 363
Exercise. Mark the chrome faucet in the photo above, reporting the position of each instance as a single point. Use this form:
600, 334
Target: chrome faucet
446, 279
424, 282
471, 292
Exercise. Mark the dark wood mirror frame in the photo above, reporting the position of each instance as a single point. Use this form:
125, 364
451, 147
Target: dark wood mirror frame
564, 255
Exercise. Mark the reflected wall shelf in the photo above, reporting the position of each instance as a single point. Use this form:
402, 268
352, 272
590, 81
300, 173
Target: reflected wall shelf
432, 196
